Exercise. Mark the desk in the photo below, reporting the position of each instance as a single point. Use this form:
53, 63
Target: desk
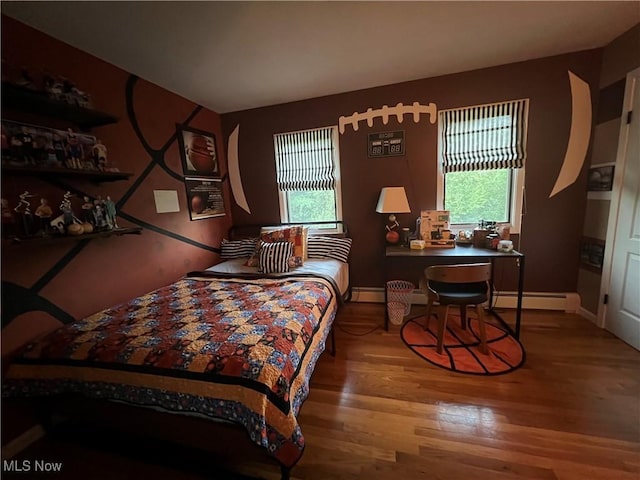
460, 254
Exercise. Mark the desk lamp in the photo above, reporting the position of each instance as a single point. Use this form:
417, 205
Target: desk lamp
393, 200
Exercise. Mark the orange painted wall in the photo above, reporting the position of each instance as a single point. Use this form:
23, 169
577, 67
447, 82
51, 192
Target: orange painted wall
80, 278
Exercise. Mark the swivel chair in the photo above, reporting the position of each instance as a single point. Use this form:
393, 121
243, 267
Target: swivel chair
462, 285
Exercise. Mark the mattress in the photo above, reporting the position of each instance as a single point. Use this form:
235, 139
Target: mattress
337, 270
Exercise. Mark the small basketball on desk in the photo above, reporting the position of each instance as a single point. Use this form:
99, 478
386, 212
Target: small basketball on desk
393, 237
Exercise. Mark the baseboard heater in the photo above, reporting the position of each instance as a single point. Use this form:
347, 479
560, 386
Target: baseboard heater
567, 302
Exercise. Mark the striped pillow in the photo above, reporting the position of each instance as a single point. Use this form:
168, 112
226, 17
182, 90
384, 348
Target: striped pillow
238, 248
329, 247
274, 257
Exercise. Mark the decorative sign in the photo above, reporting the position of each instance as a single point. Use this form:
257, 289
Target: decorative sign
386, 144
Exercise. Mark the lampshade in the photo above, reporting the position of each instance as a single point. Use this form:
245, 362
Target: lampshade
393, 200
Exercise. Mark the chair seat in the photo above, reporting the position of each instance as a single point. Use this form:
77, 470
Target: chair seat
460, 298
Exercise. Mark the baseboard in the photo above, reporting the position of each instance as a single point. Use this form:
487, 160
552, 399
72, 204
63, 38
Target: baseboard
589, 316
18, 444
568, 302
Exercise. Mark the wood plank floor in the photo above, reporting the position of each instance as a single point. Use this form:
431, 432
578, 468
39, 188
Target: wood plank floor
378, 411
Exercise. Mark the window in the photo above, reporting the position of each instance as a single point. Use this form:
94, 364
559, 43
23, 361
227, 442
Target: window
482, 152
308, 176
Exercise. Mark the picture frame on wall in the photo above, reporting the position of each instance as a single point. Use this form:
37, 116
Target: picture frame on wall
204, 197
601, 178
592, 254
197, 152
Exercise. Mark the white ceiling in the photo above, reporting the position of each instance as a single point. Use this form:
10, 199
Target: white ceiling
230, 56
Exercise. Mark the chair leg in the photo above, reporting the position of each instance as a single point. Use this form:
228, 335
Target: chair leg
463, 317
442, 326
428, 314
483, 332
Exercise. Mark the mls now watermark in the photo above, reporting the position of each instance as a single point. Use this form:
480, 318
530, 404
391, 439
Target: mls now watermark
30, 466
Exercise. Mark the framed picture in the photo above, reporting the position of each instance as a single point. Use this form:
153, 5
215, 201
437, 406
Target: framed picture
600, 178
204, 197
197, 151
592, 254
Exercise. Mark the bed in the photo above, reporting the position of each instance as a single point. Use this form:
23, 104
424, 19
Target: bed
236, 343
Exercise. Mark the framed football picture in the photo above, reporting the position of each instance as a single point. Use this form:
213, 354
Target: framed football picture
197, 151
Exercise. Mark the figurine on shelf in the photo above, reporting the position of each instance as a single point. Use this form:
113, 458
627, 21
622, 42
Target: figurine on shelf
53, 87
15, 146
8, 220
44, 213
74, 151
67, 211
73, 95
110, 209
87, 210
99, 151
27, 148
99, 214
24, 209
51, 158
58, 147
26, 80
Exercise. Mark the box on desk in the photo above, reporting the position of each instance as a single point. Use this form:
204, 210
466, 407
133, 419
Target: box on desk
434, 229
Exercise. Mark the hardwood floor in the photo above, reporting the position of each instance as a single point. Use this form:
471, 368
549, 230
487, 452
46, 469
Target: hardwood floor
378, 411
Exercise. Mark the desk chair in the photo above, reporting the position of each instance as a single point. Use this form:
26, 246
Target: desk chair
462, 285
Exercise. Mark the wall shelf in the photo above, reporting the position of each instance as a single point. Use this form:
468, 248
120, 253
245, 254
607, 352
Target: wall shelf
38, 239
92, 175
38, 103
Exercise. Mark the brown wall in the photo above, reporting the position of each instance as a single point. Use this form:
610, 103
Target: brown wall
69, 279
551, 227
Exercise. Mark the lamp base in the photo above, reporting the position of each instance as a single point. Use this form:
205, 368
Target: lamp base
392, 237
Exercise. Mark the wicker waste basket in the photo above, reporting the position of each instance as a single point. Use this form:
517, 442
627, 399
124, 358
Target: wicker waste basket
398, 294
396, 312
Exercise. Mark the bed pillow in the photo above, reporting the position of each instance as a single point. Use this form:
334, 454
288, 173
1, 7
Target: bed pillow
329, 247
238, 248
274, 257
293, 235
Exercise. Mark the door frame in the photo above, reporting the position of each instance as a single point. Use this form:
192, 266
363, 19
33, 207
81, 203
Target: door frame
631, 85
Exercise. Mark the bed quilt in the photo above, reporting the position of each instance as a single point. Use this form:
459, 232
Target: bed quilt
240, 349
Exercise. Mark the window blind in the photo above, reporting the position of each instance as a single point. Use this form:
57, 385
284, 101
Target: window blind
484, 137
304, 160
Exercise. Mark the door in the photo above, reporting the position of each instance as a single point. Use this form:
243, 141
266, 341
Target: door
622, 316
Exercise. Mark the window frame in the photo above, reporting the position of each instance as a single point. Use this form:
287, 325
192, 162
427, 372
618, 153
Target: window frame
517, 194
283, 198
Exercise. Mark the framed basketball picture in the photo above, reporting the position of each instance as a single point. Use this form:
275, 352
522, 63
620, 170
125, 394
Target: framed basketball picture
204, 197
198, 152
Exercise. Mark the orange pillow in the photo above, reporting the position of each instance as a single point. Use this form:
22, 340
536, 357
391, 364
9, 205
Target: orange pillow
290, 234
294, 235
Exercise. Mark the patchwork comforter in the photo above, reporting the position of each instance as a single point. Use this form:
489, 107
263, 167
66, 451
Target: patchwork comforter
240, 349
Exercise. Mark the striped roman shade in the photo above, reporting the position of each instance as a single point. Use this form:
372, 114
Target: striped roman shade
484, 137
304, 160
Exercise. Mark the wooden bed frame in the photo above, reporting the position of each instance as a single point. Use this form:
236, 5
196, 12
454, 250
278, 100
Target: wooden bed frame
223, 440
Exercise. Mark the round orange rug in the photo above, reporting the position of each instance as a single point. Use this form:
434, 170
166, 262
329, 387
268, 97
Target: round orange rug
460, 351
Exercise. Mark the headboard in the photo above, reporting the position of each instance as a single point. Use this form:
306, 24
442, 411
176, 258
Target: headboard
238, 232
